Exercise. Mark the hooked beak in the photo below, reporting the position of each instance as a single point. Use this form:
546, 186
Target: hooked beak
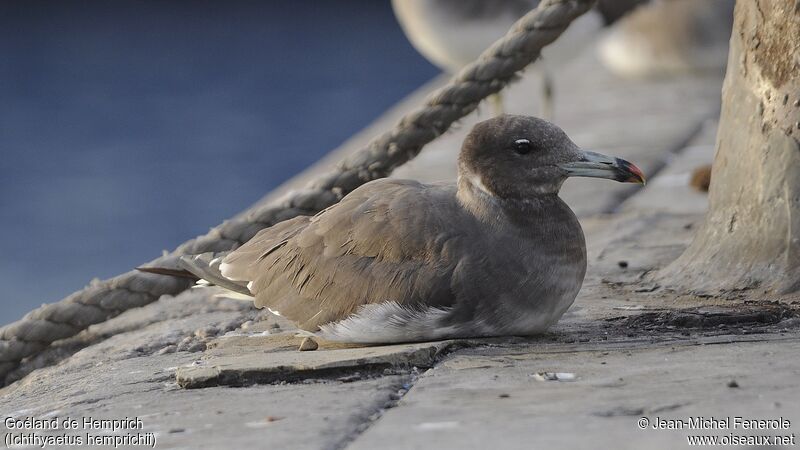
601, 166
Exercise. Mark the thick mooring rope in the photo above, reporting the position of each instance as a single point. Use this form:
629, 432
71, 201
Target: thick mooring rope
495, 69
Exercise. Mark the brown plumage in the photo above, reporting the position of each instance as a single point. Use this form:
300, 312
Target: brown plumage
397, 260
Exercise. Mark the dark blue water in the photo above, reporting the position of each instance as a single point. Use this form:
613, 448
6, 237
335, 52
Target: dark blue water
127, 127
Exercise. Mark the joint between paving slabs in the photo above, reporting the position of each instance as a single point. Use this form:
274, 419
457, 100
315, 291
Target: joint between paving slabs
284, 375
669, 153
403, 388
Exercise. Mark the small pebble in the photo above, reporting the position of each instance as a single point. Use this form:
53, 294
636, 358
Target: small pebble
701, 178
308, 344
733, 384
623, 264
504, 396
554, 376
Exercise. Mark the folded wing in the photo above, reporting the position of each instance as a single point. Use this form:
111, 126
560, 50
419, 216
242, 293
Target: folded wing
387, 241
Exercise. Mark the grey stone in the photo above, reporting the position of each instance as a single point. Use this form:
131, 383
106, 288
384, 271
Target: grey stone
246, 360
308, 344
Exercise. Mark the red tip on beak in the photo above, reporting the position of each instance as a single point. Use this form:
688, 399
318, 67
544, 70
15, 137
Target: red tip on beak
637, 176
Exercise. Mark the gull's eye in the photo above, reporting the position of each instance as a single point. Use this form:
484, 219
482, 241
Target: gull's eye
522, 146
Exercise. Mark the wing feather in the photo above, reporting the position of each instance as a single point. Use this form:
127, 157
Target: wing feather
389, 240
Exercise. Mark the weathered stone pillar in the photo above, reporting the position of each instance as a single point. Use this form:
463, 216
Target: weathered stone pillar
751, 235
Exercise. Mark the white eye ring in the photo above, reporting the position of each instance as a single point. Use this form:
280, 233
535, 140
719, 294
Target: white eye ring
522, 146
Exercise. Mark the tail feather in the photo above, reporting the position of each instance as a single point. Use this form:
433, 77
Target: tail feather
171, 272
206, 267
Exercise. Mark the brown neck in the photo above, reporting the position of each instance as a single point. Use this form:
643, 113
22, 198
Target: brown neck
479, 199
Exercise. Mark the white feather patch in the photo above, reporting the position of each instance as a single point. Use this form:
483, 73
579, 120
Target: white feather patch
224, 269
389, 322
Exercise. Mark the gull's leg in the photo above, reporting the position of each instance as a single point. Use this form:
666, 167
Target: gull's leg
497, 104
548, 93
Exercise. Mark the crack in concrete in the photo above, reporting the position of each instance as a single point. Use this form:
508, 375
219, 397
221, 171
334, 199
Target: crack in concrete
709, 317
371, 416
394, 399
663, 162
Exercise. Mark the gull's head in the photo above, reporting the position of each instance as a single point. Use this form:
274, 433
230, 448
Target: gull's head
517, 157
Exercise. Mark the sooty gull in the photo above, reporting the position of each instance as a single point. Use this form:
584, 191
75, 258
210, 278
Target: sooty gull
496, 253
670, 37
453, 33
